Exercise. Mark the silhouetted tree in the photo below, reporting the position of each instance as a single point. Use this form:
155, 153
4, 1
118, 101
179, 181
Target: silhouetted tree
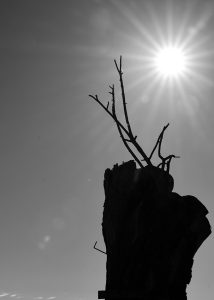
151, 233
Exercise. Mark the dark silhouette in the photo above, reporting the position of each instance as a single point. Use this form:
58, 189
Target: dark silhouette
151, 233
126, 134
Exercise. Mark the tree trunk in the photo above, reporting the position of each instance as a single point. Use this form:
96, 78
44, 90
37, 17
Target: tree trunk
151, 234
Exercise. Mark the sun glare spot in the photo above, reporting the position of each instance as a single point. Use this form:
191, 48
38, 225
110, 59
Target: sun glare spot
170, 62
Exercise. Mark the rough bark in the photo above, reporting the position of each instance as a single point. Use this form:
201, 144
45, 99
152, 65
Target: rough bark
151, 234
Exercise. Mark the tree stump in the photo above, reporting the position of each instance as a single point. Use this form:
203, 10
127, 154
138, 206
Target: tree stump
151, 234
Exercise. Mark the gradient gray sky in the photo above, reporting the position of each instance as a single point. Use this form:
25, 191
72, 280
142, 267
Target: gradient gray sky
56, 142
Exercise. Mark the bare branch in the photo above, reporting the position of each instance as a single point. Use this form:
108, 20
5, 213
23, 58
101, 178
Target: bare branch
131, 136
125, 132
159, 141
98, 249
119, 69
168, 161
120, 131
121, 126
165, 161
105, 108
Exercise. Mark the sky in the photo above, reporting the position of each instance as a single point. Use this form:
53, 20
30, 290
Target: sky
56, 142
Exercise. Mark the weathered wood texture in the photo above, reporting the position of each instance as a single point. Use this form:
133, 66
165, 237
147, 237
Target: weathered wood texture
151, 234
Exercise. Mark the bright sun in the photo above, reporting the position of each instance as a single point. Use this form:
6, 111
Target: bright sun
168, 54
170, 62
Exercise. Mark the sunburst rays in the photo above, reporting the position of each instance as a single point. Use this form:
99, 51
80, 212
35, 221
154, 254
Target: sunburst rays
160, 30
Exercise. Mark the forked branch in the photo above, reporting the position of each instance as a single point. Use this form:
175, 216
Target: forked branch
126, 133
165, 161
158, 142
121, 128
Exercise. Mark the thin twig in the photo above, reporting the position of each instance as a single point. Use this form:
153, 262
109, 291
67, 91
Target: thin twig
165, 161
119, 69
119, 129
107, 110
158, 140
98, 249
132, 139
131, 136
